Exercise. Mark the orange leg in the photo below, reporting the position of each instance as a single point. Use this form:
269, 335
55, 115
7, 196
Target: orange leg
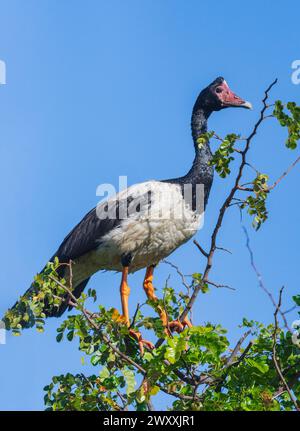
175, 325
178, 326
125, 291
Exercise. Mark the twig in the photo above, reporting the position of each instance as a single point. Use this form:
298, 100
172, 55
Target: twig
224, 249
291, 382
134, 316
231, 362
219, 286
184, 282
260, 279
245, 189
268, 189
124, 401
87, 315
243, 355
284, 174
289, 310
200, 248
177, 394
236, 350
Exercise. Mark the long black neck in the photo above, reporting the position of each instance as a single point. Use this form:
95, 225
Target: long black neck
201, 172
203, 154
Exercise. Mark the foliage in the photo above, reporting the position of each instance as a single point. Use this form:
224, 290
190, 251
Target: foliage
256, 203
31, 308
223, 155
291, 121
196, 366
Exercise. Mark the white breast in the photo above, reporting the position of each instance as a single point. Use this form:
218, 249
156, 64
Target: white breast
164, 222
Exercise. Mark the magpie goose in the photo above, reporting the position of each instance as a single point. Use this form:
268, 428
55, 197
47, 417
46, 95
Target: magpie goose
135, 229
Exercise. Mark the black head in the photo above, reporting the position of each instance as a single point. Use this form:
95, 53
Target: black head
218, 96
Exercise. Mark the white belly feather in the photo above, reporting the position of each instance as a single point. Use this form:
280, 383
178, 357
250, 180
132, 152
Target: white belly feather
149, 235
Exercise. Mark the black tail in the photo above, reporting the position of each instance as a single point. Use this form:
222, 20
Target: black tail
19, 309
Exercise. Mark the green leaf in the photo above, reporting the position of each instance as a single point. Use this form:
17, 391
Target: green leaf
130, 380
59, 337
296, 299
175, 347
104, 373
262, 367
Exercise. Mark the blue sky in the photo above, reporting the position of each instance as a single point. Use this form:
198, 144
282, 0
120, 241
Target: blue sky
100, 89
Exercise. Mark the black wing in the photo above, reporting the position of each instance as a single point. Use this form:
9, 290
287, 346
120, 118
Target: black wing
85, 236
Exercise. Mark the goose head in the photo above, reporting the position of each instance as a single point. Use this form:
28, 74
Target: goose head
219, 96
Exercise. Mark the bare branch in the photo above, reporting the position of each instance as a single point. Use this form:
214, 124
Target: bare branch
224, 249
219, 286
260, 279
200, 248
134, 316
227, 203
284, 174
268, 189
184, 282
245, 189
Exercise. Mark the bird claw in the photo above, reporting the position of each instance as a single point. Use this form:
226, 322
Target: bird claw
70, 302
178, 326
138, 336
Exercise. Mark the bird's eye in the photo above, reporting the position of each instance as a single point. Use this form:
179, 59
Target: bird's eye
218, 90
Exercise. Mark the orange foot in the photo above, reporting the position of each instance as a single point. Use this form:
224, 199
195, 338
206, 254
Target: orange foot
178, 326
137, 335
